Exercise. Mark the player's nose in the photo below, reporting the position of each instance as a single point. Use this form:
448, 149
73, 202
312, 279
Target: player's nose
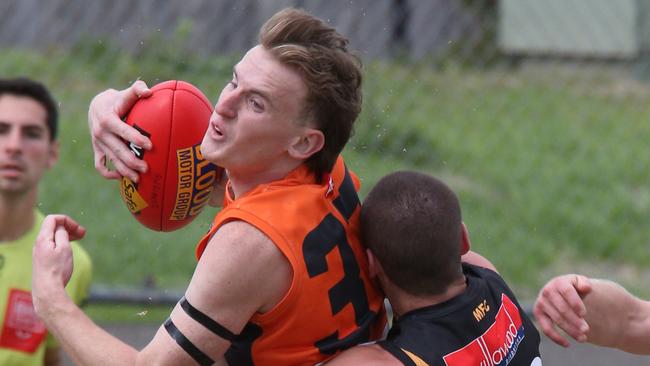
227, 104
12, 141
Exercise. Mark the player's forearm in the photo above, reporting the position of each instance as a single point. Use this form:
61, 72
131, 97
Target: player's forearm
617, 318
85, 342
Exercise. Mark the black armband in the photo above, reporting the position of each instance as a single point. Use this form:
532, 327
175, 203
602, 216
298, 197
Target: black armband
206, 321
187, 345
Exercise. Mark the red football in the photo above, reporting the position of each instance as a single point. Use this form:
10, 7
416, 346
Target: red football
178, 183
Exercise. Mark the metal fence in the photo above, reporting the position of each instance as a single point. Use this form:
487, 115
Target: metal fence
530, 109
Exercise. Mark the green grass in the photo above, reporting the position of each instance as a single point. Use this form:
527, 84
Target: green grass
551, 168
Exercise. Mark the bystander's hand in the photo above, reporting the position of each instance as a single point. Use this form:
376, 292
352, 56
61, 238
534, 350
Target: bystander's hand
52, 259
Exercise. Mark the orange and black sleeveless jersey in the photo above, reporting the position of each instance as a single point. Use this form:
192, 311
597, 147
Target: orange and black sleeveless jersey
331, 304
483, 326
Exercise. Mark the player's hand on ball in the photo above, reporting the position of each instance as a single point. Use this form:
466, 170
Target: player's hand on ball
107, 131
52, 258
179, 180
560, 304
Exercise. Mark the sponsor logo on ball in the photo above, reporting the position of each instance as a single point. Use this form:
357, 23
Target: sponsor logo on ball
196, 177
129, 192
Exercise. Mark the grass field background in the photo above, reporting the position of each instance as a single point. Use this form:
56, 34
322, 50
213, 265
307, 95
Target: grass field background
551, 164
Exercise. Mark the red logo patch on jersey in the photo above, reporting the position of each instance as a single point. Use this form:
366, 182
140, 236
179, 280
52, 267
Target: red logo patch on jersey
22, 329
498, 345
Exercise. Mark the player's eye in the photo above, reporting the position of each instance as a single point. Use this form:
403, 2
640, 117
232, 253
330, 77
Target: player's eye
34, 133
233, 81
256, 104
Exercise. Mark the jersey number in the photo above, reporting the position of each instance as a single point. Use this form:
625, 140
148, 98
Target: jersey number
330, 233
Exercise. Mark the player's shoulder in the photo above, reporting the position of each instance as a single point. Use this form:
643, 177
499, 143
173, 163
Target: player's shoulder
367, 354
239, 239
239, 232
237, 258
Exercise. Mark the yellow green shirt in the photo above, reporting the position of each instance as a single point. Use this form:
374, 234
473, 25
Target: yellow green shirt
23, 337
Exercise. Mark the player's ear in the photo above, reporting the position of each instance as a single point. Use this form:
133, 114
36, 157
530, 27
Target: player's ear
372, 264
307, 144
464, 240
54, 154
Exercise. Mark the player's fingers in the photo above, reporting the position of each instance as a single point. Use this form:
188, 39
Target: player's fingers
101, 165
141, 89
132, 135
109, 128
130, 95
547, 326
61, 238
45, 237
583, 285
74, 230
126, 100
69, 224
563, 315
52, 222
118, 150
126, 164
571, 299
64, 252
107, 109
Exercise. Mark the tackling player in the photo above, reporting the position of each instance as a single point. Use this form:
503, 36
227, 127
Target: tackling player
448, 311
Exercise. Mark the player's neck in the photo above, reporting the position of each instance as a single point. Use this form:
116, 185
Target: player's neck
244, 181
403, 302
16, 215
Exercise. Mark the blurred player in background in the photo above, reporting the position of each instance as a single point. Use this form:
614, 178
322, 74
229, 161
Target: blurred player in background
281, 277
595, 311
450, 305
28, 148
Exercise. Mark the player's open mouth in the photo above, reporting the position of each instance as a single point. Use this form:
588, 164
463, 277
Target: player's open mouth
216, 130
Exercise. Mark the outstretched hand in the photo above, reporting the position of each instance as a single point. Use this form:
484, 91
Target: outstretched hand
560, 304
52, 258
107, 131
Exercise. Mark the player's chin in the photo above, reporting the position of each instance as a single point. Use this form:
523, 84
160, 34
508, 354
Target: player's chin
14, 186
210, 151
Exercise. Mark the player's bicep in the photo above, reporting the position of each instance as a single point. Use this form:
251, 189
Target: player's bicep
239, 274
